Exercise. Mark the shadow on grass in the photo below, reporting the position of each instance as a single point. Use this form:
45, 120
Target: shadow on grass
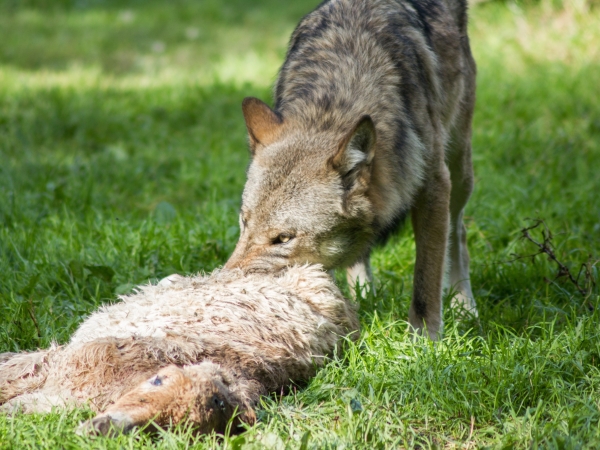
123, 150
104, 189
123, 37
77, 159
86, 168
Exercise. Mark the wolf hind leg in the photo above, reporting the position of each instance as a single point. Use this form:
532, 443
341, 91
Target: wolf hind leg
461, 175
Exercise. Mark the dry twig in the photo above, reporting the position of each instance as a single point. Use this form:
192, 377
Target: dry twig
546, 247
31, 311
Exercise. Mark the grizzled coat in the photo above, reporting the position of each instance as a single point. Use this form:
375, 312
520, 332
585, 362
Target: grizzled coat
199, 348
372, 120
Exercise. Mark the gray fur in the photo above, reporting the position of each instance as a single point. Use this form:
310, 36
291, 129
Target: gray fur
311, 196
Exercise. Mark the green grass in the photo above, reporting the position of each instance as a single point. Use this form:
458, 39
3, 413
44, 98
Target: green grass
122, 159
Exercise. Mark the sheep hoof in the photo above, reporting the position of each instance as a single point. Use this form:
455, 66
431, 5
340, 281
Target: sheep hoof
170, 280
106, 425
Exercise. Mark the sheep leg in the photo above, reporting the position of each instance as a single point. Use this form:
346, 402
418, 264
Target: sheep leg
37, 402
200, 394
22, 373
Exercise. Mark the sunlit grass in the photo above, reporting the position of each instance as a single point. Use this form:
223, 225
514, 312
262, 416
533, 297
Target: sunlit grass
158, 44
122, 159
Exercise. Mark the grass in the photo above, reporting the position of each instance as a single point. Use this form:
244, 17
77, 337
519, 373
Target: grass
122, 151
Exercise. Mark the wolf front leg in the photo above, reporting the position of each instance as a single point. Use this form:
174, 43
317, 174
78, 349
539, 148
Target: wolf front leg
461, 173
359, 277
430, 217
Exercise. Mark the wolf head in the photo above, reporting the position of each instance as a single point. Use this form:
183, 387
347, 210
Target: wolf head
306, 196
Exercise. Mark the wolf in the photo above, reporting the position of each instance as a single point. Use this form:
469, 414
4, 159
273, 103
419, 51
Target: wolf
371, 121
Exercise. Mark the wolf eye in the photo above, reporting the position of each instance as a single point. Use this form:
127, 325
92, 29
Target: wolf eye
283, 238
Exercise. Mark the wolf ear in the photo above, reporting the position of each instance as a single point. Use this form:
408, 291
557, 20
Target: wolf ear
264, 124
355, 153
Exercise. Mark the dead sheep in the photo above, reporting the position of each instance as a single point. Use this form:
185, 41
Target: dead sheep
202, 349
